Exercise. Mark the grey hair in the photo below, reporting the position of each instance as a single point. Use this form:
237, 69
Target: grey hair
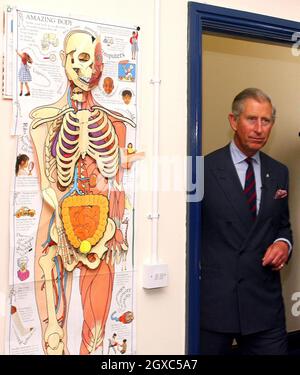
250, 93
22, 260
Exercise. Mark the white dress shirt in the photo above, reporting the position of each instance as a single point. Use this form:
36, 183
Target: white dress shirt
241, 166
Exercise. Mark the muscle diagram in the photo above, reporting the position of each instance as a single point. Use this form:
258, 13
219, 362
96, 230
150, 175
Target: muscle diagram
80, 149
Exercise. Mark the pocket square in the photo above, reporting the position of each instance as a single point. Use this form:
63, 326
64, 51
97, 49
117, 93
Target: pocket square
280, 194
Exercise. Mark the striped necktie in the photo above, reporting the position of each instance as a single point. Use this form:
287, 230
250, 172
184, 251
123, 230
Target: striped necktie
250, 188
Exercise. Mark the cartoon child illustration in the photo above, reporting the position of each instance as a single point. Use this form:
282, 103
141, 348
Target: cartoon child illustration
24, 72
22, 165
123, 347
113, 343
108, 85
23, 272
134, 43
126, 96
130, 149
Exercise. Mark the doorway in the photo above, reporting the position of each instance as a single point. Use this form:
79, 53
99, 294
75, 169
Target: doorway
229, 51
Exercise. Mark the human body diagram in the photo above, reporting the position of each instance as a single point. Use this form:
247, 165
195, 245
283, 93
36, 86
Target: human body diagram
79, 146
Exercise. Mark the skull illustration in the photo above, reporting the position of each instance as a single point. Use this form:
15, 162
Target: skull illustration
82, 59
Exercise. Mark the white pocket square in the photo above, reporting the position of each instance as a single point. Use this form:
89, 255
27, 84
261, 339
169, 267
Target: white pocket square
280, 194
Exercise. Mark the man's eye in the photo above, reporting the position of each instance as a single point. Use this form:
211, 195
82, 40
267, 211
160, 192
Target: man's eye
265, 121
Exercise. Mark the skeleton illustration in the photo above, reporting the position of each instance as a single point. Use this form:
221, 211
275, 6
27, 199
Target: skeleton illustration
78, 145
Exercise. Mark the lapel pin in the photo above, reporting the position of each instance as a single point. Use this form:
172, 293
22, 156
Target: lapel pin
267, 175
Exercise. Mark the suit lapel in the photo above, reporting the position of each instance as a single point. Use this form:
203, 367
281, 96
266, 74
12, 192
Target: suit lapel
229, 181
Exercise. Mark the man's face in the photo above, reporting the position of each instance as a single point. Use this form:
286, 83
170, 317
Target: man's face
253, 126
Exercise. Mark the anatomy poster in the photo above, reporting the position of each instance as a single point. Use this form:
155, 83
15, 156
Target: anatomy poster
74, 92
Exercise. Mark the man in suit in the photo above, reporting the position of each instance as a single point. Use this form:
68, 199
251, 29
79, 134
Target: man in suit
246, 236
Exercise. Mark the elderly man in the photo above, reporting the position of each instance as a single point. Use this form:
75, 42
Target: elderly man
246, 237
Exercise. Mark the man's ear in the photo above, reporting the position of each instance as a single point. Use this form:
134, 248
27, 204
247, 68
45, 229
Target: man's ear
63, 58
232, 121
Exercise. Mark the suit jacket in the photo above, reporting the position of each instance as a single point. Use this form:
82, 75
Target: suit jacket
238, 294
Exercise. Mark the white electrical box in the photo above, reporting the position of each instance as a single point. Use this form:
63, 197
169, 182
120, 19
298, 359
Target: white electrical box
155, 276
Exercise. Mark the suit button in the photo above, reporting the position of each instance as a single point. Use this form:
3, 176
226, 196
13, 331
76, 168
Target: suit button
240, 280
241, 252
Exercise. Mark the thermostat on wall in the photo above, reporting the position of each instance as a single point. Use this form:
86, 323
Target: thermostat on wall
155, 276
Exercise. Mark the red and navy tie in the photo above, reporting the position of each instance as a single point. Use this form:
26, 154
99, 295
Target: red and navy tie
250, 188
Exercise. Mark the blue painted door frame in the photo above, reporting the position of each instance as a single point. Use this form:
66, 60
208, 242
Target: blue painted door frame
224, 21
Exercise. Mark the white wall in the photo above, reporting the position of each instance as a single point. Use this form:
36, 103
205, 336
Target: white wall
160, 314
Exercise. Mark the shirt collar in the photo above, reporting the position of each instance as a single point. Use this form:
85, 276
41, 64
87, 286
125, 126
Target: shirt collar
238, 156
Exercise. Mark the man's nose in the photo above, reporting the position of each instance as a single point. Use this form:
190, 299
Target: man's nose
258, 126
